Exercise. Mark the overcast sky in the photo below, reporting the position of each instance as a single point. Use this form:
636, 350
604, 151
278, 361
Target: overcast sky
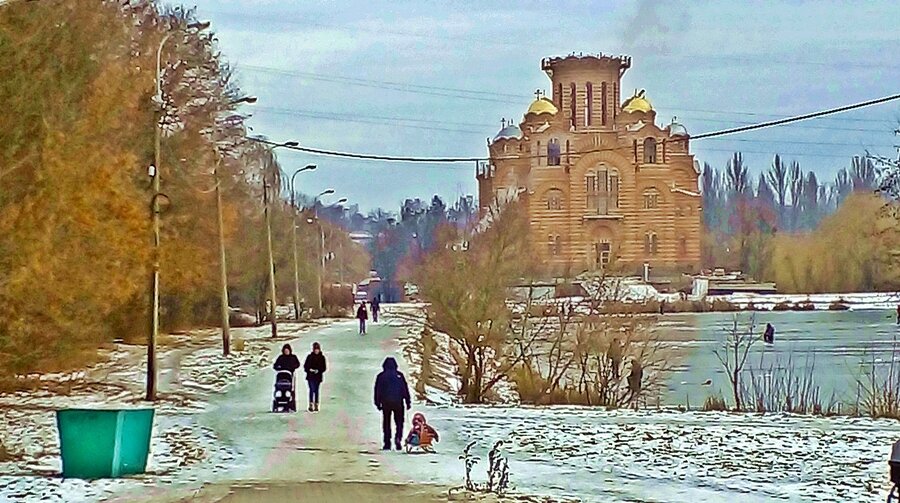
387, 78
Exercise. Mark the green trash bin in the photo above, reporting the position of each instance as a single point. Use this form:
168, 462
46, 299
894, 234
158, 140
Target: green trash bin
102, 443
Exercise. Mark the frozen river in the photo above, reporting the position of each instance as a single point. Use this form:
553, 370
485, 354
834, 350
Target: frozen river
834, 344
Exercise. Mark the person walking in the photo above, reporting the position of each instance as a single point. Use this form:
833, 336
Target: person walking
376, 308
769, 334
362, 315
391, 394
287, 360
314, 367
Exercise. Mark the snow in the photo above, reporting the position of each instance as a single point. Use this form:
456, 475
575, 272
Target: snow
855, 301
191, 370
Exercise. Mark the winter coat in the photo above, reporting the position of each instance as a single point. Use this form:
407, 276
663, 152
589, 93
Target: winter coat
362, 314
376, 304
390, 386
287, 362
314, 366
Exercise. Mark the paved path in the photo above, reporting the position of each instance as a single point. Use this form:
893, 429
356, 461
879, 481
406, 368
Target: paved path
341, 442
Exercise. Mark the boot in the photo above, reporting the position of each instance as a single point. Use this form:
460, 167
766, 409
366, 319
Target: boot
310, 408
316, 407
397, 444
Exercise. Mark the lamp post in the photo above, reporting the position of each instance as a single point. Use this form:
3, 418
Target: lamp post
320, 268
272, 299
223, 268
154, 217
309, 167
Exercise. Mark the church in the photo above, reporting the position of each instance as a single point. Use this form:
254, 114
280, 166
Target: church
605, 186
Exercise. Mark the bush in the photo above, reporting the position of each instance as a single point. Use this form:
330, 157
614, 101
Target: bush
715, 403
337, 301
838, 305
782, 306
237, 344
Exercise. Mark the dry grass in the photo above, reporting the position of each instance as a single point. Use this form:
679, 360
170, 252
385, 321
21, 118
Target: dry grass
237, 344
715, 403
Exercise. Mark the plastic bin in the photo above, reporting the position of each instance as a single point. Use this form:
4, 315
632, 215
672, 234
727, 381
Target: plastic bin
104, 443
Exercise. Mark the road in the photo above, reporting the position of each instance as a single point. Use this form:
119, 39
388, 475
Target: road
341, 443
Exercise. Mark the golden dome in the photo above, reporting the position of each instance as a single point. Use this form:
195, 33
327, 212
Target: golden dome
542, 106
637, 103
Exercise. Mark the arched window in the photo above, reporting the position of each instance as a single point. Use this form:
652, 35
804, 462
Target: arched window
603, 103
682, 246
589, 103
650, 151
567, 152
651, 199
554, 199
538, 153
572, 103
602, 187
650, 243
554, 243
553, 153
559, 97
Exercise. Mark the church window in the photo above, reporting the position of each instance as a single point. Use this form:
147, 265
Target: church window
538, 153
553, 153
572, 104
555, 244
589, 102
602, 187
682, 246
567, 152
603, 104
650, 243
559, 96
602, 253
554, 199
650, 151
651, 199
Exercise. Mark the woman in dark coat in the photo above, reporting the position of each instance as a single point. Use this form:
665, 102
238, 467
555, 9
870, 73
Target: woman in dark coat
362, 315
314, 367
287, 360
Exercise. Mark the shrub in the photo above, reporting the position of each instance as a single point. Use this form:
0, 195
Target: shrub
237, 344
715, 403
337, 301
782, 306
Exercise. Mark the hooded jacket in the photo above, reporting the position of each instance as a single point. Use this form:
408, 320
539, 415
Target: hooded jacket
288, 362
390, 385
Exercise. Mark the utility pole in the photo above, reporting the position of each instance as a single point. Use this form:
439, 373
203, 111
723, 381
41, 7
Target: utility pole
223, 270
271, 267
154, 217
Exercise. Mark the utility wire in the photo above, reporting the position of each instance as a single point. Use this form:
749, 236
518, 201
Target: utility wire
712, 134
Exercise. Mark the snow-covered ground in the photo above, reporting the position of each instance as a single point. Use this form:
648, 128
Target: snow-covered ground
191, 369
883, 300
664, 455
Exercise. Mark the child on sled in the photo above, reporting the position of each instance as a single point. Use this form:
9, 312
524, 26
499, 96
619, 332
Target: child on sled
421, 435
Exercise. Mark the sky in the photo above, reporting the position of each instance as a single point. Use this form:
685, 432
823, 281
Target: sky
430, 78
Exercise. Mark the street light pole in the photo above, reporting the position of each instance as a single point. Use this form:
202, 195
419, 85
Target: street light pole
154, 218
309, 167
266, 199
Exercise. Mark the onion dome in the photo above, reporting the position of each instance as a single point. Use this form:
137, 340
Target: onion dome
677, 129
637, 103
542, 106
509, 132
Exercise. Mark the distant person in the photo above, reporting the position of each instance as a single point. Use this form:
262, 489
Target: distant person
314, 367
287, 360
362, 315
376, 308
769, 334
391, 393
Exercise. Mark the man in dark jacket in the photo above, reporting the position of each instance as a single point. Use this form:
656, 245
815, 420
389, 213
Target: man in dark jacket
376, 308
314, 367
391, 393
362, 315
287, 360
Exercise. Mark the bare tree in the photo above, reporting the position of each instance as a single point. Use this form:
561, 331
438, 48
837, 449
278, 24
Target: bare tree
733, 353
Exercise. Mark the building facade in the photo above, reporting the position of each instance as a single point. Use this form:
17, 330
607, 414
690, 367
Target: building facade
602, 183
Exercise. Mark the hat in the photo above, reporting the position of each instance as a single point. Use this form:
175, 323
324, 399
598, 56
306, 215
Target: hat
316, 346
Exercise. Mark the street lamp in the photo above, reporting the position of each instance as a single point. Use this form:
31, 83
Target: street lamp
309, 167
154, 203
321, 267
223, 268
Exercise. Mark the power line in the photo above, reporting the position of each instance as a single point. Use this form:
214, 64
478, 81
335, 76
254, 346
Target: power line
797, 118
709, 135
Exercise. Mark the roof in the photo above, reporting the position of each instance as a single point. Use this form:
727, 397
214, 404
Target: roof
637, 103
542, 106
509, 132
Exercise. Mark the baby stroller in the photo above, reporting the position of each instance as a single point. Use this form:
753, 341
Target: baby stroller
894, 463
285, 398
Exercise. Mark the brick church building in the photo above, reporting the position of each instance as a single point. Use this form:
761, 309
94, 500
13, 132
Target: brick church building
603, 184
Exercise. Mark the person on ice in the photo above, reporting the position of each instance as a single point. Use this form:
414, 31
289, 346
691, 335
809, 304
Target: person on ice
362, 315
314, 367
391, 393
421, 434
769, 334
287, 360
